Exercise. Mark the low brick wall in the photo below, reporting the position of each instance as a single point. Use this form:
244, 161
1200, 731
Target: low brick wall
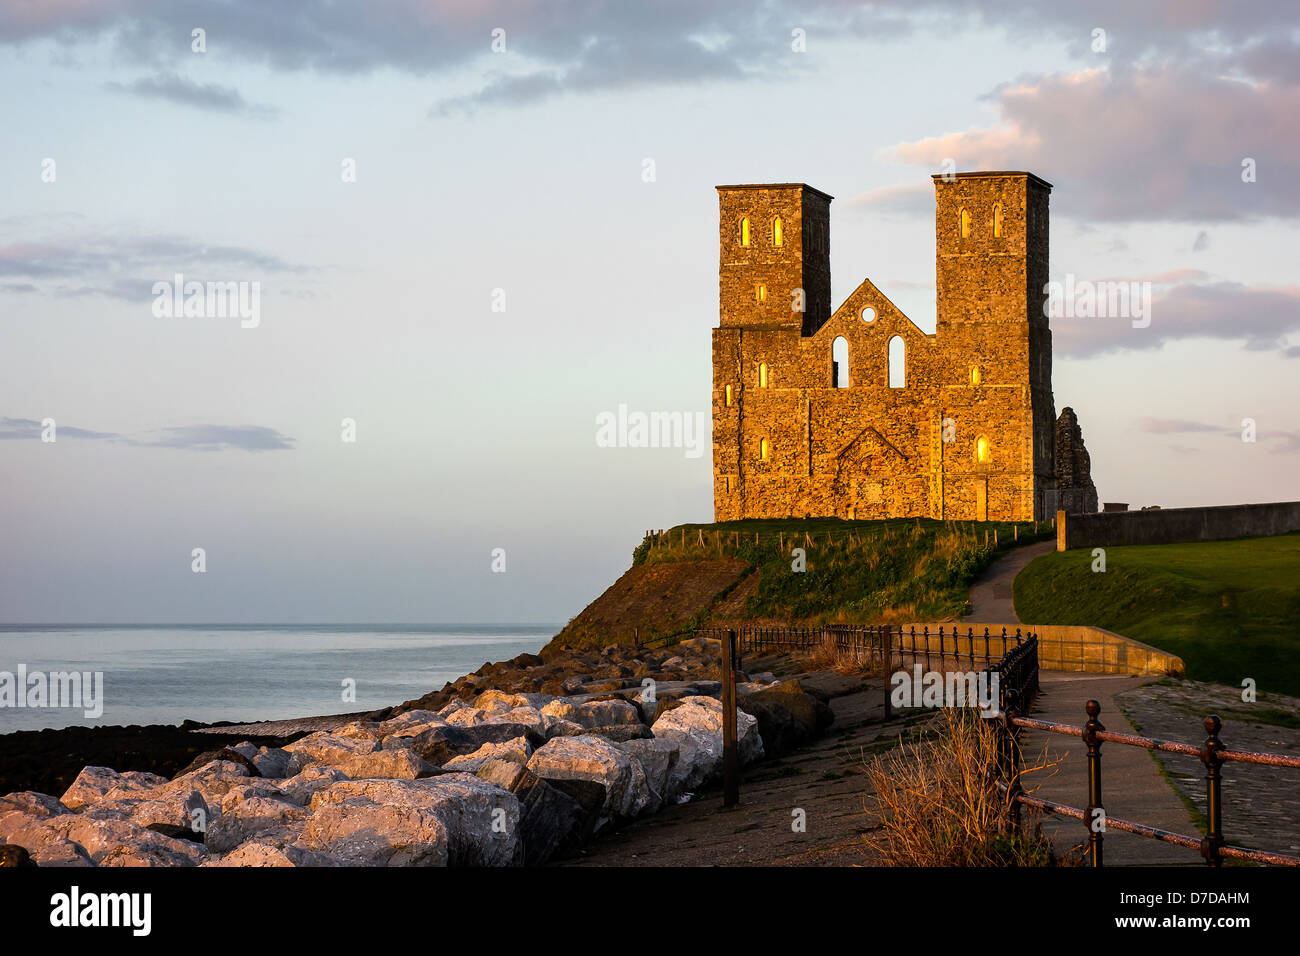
1173, 525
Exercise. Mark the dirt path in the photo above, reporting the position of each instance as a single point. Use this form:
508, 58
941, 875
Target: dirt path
824, 780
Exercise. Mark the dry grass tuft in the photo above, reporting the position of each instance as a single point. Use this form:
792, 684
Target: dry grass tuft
827, 657
939, 803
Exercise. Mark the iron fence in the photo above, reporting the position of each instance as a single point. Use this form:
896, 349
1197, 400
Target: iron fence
1213, 847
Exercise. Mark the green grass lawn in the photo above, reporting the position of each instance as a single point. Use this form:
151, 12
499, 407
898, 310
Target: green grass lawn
1229, 609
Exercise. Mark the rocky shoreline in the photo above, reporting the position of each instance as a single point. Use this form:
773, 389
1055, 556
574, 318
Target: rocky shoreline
514, 764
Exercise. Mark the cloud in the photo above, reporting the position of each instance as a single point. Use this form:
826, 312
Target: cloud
1260, 317
220, 437
1166, 277
910, 200
1286, 441
595, 44
607, 64
11, 428
603, 44
191, 437
124, 266
177, 89
1157, 142
1289, 441
1169, 426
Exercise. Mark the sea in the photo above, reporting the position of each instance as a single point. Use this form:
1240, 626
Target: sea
207, 673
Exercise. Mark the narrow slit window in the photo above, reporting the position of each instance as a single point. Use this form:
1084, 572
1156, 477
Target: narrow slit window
760, 292
975, 375
982, 452
997, 220
776, 231
728, 396
744, 231
762, 375
764, 450
963, 222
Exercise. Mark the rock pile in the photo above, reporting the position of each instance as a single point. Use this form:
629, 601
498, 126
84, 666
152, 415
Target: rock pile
494, 776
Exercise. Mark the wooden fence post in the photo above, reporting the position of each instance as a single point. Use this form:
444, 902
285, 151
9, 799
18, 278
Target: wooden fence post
730, 758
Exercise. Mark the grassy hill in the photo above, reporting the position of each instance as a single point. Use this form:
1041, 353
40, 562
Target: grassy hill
856, 571
1229, 609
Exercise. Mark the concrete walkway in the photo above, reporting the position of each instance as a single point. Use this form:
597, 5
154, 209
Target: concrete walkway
990, 596
1132, 786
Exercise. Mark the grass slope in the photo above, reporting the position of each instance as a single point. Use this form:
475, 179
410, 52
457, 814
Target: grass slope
856, 571
1229, 609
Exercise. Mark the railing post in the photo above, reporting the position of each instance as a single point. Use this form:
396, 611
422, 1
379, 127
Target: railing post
1010, 712
730, 761
886, 657
1213, 841
1090, 731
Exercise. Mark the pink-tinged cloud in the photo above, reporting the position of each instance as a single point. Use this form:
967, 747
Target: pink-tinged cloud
1260, 318
1154, 143
908, 200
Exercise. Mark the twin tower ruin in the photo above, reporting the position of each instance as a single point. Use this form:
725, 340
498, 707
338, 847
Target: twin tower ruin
857, 413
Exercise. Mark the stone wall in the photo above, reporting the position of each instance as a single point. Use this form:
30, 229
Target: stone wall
1173, 525
869, 450
1075, 490
1070, 647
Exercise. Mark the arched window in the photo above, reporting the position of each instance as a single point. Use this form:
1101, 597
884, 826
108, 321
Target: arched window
764, 449
760, 292
776, 231
963, 222
974, 374
897, 362
728, 396
744, 231
840, 362
997, 220
982, 452
762, 375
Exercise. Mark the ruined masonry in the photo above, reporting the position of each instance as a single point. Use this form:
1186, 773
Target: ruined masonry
857, 413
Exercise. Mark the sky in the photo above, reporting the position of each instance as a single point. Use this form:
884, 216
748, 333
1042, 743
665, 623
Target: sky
476, 227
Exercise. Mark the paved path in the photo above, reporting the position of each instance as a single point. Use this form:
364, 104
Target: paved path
990, 596
1132, 786
1261, 805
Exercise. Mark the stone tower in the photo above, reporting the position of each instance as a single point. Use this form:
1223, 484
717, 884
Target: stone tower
773, 249
991, 269
857, 413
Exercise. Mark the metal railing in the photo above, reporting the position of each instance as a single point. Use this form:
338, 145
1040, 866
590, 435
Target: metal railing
1213, 753
865, 642
1012, 657
1016, 666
